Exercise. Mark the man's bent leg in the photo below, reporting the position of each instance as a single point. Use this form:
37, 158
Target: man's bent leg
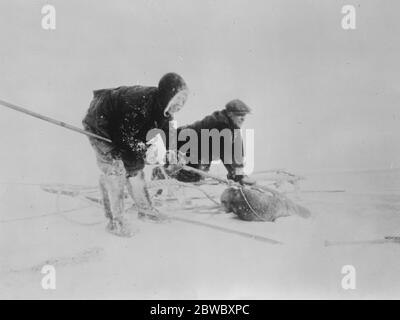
137, 189
112, 185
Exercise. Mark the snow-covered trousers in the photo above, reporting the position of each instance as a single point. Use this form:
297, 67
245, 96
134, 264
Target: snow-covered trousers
112, 184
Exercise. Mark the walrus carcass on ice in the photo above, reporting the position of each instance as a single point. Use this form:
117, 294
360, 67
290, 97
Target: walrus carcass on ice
257, 205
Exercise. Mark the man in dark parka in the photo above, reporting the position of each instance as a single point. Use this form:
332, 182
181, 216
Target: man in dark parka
125, 115
230, 120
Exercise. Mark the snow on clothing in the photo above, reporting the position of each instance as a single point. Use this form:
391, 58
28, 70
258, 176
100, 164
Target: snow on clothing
126, 114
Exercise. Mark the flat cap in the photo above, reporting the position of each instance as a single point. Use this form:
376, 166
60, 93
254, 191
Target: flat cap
238, 107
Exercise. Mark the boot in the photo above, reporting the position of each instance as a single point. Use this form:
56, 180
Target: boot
152, 215
112, 190
121, 227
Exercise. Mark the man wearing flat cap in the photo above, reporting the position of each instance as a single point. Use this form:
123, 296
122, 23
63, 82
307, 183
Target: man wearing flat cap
230, 119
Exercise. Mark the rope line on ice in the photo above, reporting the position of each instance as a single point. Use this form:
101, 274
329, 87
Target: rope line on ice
249, 205
280, 204
384, 240
228, 230
42, 215
97, 201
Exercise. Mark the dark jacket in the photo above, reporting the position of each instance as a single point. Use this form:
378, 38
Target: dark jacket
218, 120
125, 115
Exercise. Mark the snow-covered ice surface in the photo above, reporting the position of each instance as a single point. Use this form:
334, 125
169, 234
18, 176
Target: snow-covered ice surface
178, 260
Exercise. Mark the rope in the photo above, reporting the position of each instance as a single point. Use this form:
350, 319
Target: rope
248, 204
42, 215
168, 182
172, 182
175, 218
387, 239
85, 224
227, 230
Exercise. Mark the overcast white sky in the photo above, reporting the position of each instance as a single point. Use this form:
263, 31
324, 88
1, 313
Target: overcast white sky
322, 97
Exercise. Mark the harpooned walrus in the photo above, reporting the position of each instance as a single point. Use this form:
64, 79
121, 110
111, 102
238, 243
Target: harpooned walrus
255, 205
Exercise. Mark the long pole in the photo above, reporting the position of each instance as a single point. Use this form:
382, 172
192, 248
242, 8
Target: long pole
53, 121
226, 181
387, 239
76, 129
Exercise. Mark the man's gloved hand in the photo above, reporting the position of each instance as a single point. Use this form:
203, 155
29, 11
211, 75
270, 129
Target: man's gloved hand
242, 179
